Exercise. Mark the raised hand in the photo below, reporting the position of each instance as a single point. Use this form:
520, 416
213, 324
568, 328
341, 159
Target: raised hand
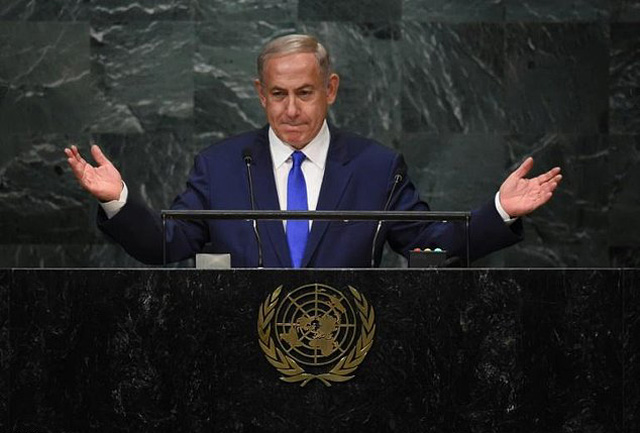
520, 196
103, 182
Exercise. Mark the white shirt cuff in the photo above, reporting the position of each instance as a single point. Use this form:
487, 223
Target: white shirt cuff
505, 216
111, 208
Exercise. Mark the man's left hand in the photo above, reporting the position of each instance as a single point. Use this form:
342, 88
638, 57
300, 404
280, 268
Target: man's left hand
520, 196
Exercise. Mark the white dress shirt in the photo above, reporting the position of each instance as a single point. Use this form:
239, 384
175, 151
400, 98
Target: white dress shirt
312, 167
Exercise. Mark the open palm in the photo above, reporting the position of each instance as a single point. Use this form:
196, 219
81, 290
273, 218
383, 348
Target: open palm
103, 182
520, 196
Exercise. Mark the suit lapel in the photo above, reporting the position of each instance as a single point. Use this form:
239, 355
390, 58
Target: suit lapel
336, 177
266, 196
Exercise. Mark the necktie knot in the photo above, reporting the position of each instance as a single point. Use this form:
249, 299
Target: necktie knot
297, 157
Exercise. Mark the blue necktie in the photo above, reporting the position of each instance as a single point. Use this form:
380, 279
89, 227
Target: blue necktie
297, 230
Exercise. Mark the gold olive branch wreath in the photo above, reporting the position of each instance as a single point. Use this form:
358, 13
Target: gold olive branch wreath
289, 368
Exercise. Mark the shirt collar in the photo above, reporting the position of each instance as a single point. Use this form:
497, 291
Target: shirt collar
316, 151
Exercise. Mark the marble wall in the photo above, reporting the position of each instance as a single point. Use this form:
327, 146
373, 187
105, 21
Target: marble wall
466, 89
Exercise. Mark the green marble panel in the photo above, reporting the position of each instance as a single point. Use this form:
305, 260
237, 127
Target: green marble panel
557, 11
44, 77
45, 10
623, 205
273, 11
43, 204
439, 166
143, 71
102, 10
452, 78
624, 78
141, 10
368, 59
625, 11
458, 11
557, 77
359, 11
225, 68
572, 229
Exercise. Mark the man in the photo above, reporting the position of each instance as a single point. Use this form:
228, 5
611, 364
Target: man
300, 162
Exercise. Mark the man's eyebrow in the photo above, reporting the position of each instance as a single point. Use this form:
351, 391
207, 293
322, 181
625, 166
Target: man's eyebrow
303, 87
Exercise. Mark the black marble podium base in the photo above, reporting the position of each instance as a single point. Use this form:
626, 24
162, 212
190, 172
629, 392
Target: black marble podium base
454, 351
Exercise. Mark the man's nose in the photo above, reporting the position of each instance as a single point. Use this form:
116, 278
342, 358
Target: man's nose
292, 106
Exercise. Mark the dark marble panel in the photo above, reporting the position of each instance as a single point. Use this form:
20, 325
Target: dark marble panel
144, 72
83, 10
360, 11
102, 354
624, 81
41, 200
43, 204
467, 362
282, 11
557, 77
459, 11
368, 60
631, 354
625, 11
44, 77
452, 78
225, 99
439, 167
141, 10
592, 220
573, 229
5, 348
624, 204
454, 351
155, 166
44, 10
570, 352
557, 11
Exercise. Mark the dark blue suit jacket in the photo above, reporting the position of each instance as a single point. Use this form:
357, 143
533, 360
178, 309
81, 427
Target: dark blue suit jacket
359, 175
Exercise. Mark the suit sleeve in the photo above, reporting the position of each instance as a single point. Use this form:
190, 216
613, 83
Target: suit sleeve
138, 229
487, 231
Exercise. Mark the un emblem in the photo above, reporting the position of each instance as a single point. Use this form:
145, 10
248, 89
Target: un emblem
314, 332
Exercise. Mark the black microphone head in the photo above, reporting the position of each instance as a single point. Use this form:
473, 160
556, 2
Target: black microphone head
246, 155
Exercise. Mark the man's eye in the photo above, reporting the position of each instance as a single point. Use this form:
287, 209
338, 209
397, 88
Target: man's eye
305, 93
278, 94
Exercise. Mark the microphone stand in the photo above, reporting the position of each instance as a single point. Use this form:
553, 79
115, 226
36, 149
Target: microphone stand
397, 179
248, 160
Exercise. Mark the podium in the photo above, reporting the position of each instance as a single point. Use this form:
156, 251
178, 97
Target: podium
454, 350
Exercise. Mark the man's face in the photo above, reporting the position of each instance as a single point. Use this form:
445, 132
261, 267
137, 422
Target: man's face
296, 97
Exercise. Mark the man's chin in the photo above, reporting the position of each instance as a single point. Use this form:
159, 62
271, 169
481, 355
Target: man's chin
297, 140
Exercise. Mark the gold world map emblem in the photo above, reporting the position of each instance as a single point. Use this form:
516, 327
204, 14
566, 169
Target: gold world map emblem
314, 332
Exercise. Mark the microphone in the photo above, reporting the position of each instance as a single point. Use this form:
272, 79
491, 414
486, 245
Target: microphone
396, 180
248, 160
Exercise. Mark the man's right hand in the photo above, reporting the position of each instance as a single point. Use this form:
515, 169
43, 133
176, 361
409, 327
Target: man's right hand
103, 182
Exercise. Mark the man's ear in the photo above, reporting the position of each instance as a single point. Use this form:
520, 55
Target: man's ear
332, 88
260, 91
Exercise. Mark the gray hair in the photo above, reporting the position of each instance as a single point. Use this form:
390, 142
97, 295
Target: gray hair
294, 44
